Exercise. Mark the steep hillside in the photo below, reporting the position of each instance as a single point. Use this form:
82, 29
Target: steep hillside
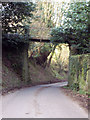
39, 75
10, 80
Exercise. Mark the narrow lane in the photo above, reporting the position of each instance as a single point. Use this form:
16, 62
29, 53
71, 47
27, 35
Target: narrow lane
42, 101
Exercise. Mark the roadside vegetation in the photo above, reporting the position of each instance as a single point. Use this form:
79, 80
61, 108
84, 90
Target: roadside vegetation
65, 58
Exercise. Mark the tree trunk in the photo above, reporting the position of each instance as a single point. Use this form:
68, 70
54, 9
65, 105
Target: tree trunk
48, 64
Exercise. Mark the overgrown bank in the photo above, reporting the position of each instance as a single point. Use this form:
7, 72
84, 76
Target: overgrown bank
12, 70
11, 80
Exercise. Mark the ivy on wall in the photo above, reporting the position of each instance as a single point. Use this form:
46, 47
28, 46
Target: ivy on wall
79, 68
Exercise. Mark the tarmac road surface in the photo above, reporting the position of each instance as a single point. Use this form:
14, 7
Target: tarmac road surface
42, 101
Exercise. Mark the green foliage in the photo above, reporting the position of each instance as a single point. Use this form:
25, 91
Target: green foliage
82, 92
39, 48
14, 13
66, 87
79, 72
74, 28
39, 53
77, 15
16, 17
46, 47
75, 86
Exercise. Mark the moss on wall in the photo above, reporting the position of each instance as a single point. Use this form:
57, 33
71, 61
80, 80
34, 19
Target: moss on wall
79, 68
